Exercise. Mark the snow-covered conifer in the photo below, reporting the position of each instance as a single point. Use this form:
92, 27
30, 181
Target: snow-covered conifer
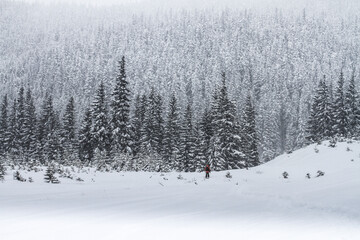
352, 109
121, 127
101, 135
86, 151
340, 115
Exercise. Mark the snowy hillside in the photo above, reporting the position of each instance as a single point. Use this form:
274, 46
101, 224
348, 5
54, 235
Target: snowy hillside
253, 204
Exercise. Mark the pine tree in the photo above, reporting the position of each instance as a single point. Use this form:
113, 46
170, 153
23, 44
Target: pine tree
172, 134
121, 127
86, 151
101, 135
49, 131
152, 134
20, 120
4, 134
159, 124
187, 142
200, 150
30, 124
68, 131
250, 137
138, 122
13, 134
340, 115
226, 142
207, 129
320, 120
352, 109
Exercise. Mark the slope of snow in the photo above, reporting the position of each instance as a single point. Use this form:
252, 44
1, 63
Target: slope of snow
254, 204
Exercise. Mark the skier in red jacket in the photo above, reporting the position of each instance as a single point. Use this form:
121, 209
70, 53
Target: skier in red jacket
207, 170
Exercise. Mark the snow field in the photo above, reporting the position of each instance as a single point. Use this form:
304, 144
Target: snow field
254, 204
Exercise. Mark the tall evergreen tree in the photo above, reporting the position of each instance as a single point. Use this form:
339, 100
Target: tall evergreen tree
153, 125
172, 134
159, 124
13, 134
226, 142
121, 127
30, 124
207, 129
340, 114
4, 134
200, 149
187, 142
352, 109
320, 120
101, 134
48, 129
68, 130
249, 132
20, 120
86, 150
138, 122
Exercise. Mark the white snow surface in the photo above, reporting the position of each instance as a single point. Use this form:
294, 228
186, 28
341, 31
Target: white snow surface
254, 204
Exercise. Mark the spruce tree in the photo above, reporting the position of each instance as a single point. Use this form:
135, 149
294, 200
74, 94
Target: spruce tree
49, 131
172, 135
152, 134
4, 134
207, 132
86, 150
226, 151
121, 127
49, 176
251, 139
101, 135
159, 124
13, 134
30, 124
320, 120
187, 142
68, 130
138, 122
20, 120
340, 114
352, 109
200, 150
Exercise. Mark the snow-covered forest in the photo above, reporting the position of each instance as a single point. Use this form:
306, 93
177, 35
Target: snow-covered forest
233, 87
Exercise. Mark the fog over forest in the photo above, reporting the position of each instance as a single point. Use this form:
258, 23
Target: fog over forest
277, 51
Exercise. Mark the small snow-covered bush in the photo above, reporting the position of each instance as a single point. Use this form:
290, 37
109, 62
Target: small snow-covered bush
228, 175
2, 172
50, 175
31, 180
332, 143
79, 179
180, 177
66, 174
316, 149
18, 177
285, 175
320, 173
348, 149
308, 175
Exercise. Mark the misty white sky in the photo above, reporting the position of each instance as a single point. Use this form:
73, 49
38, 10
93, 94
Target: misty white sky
335, 6
92, 2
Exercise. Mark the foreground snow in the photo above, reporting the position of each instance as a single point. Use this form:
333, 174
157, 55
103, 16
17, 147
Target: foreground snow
254, 204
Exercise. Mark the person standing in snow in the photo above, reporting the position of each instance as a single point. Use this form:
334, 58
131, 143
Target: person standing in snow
207, 170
